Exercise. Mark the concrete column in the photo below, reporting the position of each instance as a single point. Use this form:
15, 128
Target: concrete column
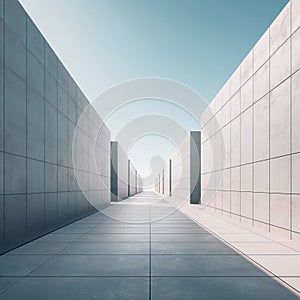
195, 167
170, 177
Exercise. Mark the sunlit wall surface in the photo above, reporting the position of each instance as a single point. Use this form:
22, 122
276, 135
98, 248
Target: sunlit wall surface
258, 111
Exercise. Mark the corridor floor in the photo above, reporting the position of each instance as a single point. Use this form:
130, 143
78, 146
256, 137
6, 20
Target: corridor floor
102, 257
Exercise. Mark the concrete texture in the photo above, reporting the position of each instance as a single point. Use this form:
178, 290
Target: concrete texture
135, 181
39, 108
275, 254
103, 258
254, 178
119, 172
182, 171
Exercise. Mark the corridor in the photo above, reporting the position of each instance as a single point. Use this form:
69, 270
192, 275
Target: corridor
138, 248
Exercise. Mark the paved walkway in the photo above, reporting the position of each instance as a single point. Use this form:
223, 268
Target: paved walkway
103, 258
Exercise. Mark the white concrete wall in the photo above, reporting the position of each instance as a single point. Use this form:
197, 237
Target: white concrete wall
257, 115
185, 170
140, 184
119, 172
135, 182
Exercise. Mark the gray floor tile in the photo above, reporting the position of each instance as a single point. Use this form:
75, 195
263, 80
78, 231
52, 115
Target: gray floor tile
20, 265
202, 265
247, 288
174, 224
95, 265
191, 248
195, 229
102, 258
183, 238
120, 230
6, 282
79, 289
63, 237
37, 247
123, 225
67, 229
115, 237
107, 248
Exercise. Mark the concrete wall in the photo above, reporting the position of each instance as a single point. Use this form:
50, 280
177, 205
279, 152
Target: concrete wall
257, 115
165, 177
185, 171
135, 182
39, 107
156, 186
159, 183
132, 180
119, 172
140, 184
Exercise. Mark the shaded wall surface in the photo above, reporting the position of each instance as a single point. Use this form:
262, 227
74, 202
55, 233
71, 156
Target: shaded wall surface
131, 179
135, 181
119, 172
140, 184
256, 116
39, 108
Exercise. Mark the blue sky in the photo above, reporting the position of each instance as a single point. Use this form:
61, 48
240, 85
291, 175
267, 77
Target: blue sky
196, 42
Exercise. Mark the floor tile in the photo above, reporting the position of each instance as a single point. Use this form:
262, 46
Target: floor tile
263, 248
100, 257
111, 230
95, 265
248, 238
183, 238
64, 238
293, 281
37, 247
195, 229
6, 282
202, 265
79, 289
280, 265
20, 265
190, 248
246, 288
107, 248
115, 237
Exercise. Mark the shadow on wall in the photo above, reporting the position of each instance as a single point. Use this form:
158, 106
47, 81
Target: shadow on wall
125, 181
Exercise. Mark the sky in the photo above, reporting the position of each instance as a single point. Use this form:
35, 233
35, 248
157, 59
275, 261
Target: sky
195, 42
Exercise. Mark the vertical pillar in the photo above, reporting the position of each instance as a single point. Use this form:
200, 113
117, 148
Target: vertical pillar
128, 177
170, 177
163, 181
136, 182
195, 167
159, 183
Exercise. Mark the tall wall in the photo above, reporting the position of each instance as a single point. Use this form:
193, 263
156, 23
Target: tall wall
39, 108
165, 180
135, 182
119, 172
132, 179
156, 185
257, 115
170, 175
185, 171
159, 186
140, 184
